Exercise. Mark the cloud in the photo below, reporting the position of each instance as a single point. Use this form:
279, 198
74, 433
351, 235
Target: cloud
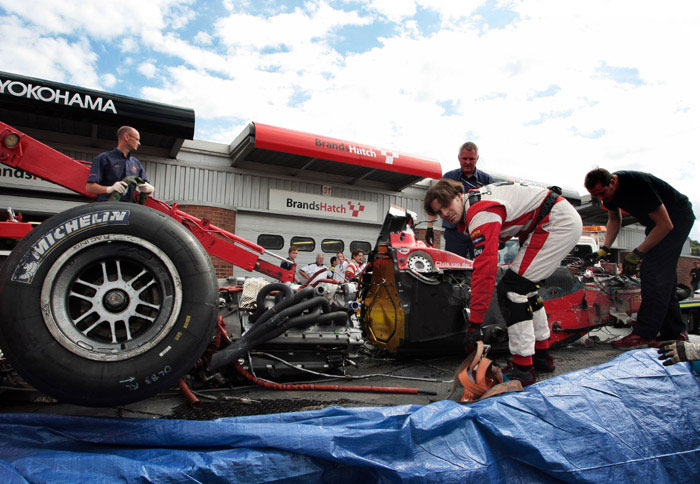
27, 52
203, 38
148, 69
96, 19
545, 92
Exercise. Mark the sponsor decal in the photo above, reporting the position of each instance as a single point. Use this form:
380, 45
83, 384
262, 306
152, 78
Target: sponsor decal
476, 240
453, 265
388, 155
356, 209
475, 233
323, 206
33, 258
50, 95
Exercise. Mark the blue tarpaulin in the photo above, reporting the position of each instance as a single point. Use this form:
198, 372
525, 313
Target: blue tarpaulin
628, 419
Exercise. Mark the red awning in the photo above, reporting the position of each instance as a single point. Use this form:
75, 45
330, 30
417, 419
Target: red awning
329, 159
318, 146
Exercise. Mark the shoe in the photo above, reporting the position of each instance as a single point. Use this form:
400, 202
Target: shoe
679, 337
633, 342
524, 377
544, 365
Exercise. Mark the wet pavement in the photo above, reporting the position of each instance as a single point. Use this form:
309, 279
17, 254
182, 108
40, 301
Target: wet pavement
427, 374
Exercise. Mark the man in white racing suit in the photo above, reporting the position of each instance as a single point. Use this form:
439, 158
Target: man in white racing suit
547, 226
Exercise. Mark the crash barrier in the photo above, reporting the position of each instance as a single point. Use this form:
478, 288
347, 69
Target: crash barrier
628, 419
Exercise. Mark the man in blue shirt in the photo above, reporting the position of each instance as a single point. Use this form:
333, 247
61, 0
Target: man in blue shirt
470, 178
111, 167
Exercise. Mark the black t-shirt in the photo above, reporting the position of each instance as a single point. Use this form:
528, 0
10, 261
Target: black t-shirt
640, 193
695, 274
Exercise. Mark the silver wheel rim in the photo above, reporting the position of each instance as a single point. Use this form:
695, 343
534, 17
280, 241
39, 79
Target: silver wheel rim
111, 308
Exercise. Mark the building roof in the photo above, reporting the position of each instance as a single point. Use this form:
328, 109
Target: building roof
294, 153
53, 111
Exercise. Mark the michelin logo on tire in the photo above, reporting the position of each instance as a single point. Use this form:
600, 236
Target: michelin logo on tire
32, 259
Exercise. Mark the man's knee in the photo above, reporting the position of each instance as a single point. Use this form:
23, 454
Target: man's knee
513, 291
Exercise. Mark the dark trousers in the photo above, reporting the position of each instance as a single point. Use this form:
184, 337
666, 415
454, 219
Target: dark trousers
458, 243
660, 313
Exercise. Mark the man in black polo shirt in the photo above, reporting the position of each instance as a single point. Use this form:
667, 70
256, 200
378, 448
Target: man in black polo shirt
470, 178
668, 217
111, 167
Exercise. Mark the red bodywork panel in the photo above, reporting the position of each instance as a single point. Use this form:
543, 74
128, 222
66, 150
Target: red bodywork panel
14, 230
315, 146
405, 244
36, 158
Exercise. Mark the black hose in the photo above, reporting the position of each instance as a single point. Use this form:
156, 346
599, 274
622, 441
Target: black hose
260, 327
283, 304
284, 289
315, 316
337, 316
265, 331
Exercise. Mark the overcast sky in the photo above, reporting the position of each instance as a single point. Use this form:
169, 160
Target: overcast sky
547, 89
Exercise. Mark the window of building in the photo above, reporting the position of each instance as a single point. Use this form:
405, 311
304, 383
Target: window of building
332, 246
305, 244
270, 242
365, 247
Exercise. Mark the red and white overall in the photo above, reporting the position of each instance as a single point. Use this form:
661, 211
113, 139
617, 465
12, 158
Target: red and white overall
503, 212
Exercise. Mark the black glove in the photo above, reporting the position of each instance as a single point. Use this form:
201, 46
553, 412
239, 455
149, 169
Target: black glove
594, 257
676, 351
631, 262
430, 236
472, 335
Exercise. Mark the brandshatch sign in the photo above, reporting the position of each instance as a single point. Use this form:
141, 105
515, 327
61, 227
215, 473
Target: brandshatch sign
322, 206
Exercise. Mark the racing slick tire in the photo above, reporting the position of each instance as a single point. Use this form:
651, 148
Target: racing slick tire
106, 304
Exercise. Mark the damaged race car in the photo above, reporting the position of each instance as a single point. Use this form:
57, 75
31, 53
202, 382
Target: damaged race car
410, 300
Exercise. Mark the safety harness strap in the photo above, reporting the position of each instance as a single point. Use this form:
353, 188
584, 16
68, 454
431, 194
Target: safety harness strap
546, 207
480, 378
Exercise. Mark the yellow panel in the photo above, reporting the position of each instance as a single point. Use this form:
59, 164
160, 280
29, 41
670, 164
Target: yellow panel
383, 313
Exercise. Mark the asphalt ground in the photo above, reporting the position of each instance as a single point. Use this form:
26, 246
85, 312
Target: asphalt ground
432, 374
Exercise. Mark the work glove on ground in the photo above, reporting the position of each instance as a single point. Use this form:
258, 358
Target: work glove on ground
430, 236
599, 254
472, 335
676, 351
119, 187
631, 262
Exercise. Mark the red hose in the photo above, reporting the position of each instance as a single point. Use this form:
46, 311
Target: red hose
237, 288
191, 397
327, 388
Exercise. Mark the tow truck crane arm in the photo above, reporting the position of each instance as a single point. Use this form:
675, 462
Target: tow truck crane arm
21, 151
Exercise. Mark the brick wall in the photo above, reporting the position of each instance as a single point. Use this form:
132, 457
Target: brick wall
222, 218
420, 235
685, 263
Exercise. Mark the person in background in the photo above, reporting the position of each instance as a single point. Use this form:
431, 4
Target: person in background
292, 255
668, 218
316, 271
355, 266
340, 267
111, 167
470, 177
695, 276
